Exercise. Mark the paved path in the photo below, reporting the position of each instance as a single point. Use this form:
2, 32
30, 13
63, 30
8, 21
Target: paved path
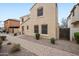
65, 45
38, 49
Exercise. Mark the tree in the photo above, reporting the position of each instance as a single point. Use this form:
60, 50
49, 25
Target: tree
64, 23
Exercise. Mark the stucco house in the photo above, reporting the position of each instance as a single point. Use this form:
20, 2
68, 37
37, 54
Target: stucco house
73, 21
12, 25
43, 19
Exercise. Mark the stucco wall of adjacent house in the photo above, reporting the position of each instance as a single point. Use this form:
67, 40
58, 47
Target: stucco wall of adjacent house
74, 27
49, 17
76, 15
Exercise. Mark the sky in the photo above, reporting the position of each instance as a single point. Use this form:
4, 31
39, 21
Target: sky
16, 10
64, 10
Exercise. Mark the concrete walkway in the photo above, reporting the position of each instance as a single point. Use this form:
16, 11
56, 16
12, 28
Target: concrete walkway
61, 44
38, 49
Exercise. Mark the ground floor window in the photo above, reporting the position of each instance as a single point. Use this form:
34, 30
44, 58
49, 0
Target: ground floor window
27, 27
44, 29
36, 29
22, 29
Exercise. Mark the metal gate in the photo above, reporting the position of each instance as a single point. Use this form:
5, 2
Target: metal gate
64, 33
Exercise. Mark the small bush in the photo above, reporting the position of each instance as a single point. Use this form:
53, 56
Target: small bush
15, 34
76, 35
15, 48
7, 32
4, 31
37, 36
9, 43
1, 43
3, 38
52, 40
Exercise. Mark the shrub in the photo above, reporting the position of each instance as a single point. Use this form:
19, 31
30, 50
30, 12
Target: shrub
15, 48
3, 38
9, 43
4, 31
1, 43
7, 32
15, 34
52, 40
76, 35
37, 36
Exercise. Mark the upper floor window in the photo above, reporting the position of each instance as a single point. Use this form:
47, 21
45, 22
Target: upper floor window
73, 13
40, 12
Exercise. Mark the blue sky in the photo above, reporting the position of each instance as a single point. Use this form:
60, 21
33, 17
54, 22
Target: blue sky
17, 10
64, 10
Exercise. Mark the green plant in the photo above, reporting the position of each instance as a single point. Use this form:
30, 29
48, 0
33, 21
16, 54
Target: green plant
76, 35
15, 48
9, 43
37, 36
1, 43
15, 34
3, 38
7, 32
52, 40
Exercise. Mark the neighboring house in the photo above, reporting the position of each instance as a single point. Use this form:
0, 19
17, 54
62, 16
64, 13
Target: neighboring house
73, 21
12, 25
43, 19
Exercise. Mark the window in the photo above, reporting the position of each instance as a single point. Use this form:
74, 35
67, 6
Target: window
73, 13
22, 20
44, 29
36, 29
40, 12
27, 27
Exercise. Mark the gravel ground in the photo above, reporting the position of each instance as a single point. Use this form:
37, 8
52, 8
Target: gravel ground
4, 51
39, 49
60, 44
42, 46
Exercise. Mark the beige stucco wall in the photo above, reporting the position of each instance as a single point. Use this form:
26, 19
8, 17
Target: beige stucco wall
49, 17
76, 15
73, 28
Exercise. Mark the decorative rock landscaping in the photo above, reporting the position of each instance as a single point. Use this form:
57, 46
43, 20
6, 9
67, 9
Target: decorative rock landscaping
12, 49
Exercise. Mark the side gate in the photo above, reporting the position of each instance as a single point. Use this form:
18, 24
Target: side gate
64, 33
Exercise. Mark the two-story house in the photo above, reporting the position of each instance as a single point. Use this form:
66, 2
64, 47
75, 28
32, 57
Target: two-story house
73, 21
43, 19
12, 25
